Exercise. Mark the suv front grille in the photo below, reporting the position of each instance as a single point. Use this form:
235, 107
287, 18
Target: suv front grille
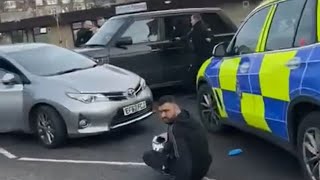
120, 96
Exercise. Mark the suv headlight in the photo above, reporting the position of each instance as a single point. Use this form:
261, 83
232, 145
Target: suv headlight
143, 84
87, 98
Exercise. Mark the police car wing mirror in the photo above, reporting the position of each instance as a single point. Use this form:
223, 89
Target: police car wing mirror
220, 50
123, 42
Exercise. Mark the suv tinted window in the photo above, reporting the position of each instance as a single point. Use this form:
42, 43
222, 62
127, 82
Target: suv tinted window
216, 24
142, 31
284, 24
176, 26
306, 33
247, 38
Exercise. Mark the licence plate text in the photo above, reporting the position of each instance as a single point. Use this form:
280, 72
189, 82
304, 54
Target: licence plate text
134, 108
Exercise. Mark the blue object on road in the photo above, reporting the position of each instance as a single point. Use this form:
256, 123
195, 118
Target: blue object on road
235, 152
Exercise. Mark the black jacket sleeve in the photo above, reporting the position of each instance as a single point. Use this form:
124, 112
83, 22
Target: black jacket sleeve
183, 163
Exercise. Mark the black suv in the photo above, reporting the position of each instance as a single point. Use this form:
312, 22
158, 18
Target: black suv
143, 43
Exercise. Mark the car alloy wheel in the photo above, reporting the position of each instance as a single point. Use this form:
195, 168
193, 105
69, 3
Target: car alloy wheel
311, 152
45, 128
209, 111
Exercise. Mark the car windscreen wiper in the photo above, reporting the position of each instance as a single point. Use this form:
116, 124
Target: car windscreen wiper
94, 45
68, 71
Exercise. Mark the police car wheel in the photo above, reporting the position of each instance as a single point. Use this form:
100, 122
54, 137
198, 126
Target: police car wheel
309, 145
208, 109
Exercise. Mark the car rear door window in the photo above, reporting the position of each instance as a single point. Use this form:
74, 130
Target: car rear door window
306, 33
143, 31
247, 37
284, 24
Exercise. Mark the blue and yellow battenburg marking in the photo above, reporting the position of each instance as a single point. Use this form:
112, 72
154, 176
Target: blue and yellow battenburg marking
260, 98
266, 89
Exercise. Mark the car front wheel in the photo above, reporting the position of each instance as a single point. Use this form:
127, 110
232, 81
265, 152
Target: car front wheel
50, 127
208, 109
309, 145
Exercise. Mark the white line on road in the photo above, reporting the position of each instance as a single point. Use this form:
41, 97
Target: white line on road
82, 162
7, 154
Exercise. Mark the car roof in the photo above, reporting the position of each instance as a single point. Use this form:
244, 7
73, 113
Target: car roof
266, 3
171, 12
11, 48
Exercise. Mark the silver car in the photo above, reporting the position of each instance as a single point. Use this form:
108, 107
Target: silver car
56, 93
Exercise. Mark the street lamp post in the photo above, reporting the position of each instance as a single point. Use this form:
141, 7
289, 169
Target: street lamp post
56, 16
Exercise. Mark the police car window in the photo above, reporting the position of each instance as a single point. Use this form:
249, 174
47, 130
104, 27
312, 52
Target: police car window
247, 38
143, 31
306, 33
284, 25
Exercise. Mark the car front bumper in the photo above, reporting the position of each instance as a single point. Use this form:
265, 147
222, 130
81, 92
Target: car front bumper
105, 116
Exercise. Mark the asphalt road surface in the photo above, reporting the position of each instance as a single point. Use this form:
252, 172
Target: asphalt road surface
117, 155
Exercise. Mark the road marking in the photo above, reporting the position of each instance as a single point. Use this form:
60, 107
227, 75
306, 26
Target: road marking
7, 154
82, 162
12, 156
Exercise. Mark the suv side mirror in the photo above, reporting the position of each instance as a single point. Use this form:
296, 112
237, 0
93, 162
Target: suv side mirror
8, 79
220, 50
124, 41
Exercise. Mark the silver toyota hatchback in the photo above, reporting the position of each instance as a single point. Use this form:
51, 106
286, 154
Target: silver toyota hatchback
56, 93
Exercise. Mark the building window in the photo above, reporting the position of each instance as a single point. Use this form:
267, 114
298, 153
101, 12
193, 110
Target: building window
17, 5
52, 2
90, 5
9, 6
66, 1
5, 38
41, 34
39, 2
19, 36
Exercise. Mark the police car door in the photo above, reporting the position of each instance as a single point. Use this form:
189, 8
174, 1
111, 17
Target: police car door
281, 68
234, 76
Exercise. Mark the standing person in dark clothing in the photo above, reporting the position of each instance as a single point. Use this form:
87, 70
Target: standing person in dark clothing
200, 38
84, 34
185, 154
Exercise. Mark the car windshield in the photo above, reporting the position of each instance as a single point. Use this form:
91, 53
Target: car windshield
50, 60
106, 32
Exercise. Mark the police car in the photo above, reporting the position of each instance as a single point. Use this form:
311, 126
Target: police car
267, 79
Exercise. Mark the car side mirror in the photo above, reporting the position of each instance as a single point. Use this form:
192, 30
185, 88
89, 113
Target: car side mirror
8, 79
220, 50
124, 41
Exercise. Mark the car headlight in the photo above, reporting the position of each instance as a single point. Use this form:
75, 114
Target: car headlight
143, 83
87, 98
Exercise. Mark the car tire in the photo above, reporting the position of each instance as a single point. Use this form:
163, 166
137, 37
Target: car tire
212, 120
309, 126
49, 127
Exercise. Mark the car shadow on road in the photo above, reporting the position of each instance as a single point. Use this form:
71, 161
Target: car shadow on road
94, 140
108, 137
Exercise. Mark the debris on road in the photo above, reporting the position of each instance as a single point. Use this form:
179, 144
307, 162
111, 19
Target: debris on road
235, 152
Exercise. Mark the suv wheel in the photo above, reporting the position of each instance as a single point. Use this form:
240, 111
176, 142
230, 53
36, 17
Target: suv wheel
50, 127
309, 145
208, 109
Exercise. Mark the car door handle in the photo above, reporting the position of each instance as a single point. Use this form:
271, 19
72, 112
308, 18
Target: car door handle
244, 67
294, 63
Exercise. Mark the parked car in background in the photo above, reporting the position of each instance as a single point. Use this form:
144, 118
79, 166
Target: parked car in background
143, 43
56, 93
